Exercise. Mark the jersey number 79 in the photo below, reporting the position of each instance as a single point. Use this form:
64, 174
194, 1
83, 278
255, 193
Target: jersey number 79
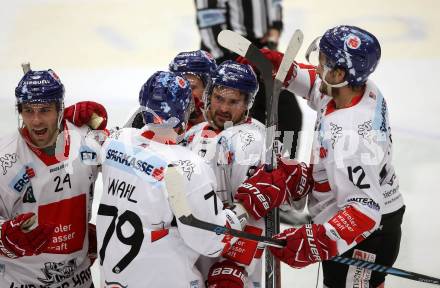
135, 240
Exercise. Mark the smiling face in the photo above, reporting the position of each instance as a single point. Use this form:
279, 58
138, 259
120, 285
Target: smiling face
41, 120
227, 104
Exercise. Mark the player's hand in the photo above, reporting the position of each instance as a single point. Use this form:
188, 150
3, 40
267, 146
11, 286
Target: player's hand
299, 180
93, 246
226, 274
262, 192
81, 114
305, 245
275, 57
18, 239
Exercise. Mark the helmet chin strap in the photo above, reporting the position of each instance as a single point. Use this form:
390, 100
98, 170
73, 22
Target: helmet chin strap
330, 86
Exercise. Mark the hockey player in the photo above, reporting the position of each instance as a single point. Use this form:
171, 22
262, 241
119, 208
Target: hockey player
196, 67
353, 191
138, 235
230, 141
45, 190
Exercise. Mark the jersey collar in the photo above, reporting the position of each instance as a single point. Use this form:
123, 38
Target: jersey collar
45, 158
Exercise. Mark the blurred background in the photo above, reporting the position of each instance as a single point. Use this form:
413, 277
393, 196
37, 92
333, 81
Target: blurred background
105, 50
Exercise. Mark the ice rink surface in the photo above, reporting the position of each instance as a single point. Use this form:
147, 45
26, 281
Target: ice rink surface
105, 51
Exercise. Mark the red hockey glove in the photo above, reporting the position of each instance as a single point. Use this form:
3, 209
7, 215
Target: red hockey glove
262, 192
18, 239
81, 114
275, 57
226, 274
299, 180
93, 246
305, 245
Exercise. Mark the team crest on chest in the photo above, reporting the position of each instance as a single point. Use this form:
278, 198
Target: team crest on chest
7, 161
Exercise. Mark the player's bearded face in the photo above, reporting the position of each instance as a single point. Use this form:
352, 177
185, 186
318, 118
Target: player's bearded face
227, 104
41, 120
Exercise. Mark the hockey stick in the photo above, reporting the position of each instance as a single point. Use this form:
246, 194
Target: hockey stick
243, 47
182, 211
388, 270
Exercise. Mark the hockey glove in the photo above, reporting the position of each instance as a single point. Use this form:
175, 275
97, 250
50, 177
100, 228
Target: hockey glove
19, 239
298, 177
262, 192
81, 114
305, 245
275, 57
226, 274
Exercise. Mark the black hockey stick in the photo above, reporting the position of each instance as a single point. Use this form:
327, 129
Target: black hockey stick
180, 207
182, 211
243, 47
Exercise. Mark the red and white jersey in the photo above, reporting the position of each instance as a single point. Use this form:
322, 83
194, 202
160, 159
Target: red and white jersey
231, 153
351, 155
59, 191
140, 243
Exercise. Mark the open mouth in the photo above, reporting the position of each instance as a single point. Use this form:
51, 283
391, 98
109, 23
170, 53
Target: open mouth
40, 132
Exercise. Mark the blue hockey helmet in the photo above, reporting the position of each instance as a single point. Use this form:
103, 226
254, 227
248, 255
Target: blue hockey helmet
353, 49
234, 75
199, 63
167, 99
40, 87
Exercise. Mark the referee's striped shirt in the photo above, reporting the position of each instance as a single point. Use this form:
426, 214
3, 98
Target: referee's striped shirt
250, 18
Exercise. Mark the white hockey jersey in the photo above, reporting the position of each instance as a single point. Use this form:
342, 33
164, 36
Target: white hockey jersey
231, 153
351, 153
140, 243
59, 191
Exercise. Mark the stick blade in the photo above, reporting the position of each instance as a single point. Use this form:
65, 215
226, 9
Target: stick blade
290, 54
176, 196
233, 41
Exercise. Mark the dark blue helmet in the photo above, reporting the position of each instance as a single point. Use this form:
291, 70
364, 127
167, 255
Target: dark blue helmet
199, 63
40, 87
237, 76
166, 97
353, 49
